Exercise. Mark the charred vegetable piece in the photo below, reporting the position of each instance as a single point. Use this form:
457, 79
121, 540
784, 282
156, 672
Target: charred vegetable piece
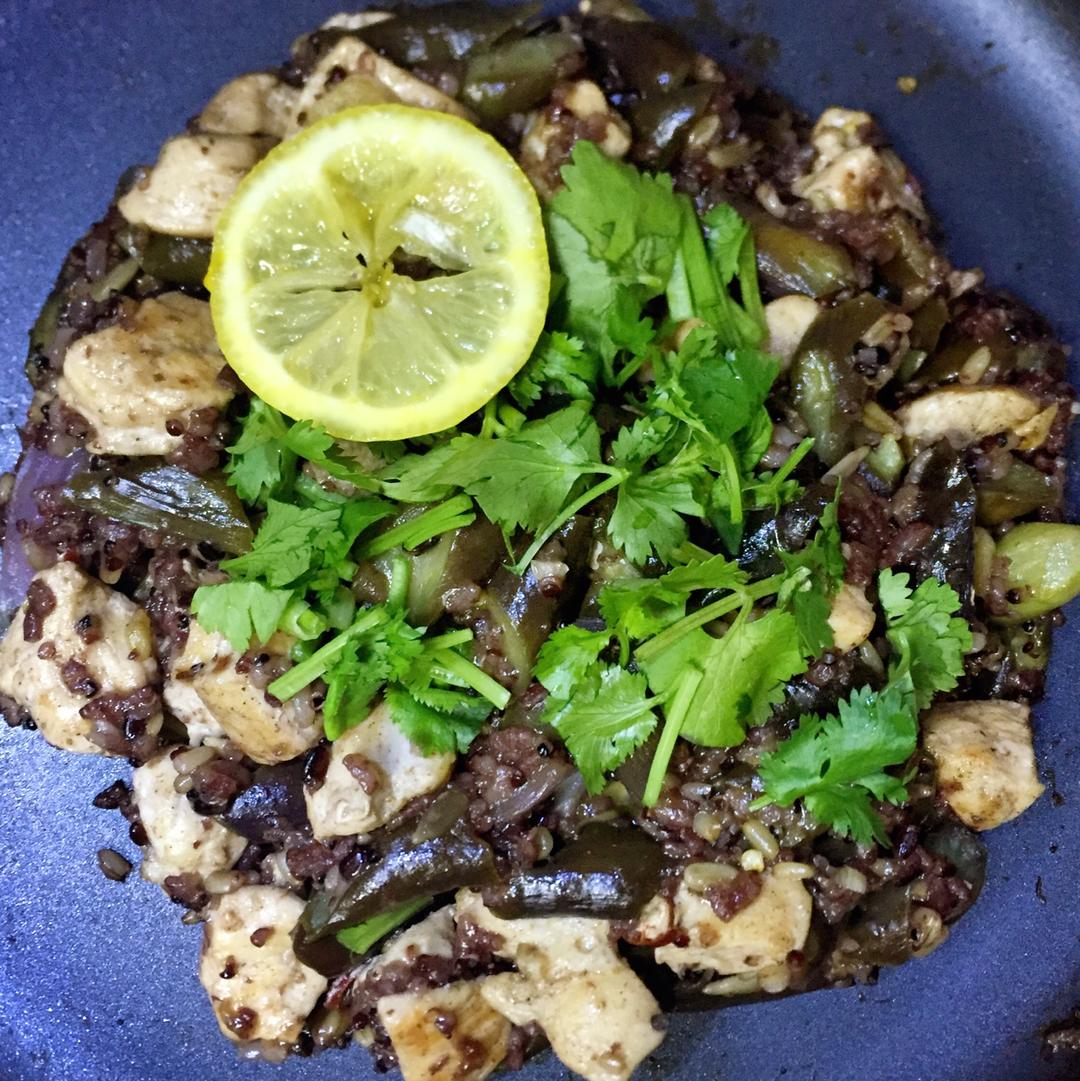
969, 361
441, 35
272, 805
826, 389
514, 616
644, 57
458, 559
181, 260
609, 872
405, 873
517, 75
167, 498
882, 931
964, 850
949, 506
927, 323
1044, 567
663, 120
1022, 490
914, 260
785, 531
794, 261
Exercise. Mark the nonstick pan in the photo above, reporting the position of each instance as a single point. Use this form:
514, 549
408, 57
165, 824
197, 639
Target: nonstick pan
97, 980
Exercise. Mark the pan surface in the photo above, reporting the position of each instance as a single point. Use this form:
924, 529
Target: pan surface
97, 980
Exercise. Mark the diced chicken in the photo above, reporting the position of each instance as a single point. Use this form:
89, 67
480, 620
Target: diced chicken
966, 415
600, 1024
193, 179
851, 618
578, 110
787, 319
433, 936
368, 79
571, 982
545, 947
446, 1033
73, 641
758, 936
248, 105
848, 174
231, 704
375, 769
259, 992
130, 379
984, 758
181, 839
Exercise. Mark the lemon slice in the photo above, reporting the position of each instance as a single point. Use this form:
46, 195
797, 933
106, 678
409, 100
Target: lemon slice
384, 273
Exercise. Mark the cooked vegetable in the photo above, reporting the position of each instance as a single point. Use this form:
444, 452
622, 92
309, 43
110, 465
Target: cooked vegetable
794, 261
405, 873
826, 389
513, 77
609, 871
1044, 567
645, 57
200, 510
180, 260
1021, 490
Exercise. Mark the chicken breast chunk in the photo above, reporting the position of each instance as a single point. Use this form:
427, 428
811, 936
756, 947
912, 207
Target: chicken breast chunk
130, 379
181, 839
375, 769
966, 415
596, 1013
446, 1033
787, 319
207, 693
368, 79
758, 936
257, 986
249, 105
193, 179
984, 758
75, 642
851, 617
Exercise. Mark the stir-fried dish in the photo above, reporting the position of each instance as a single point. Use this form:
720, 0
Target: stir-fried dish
553, 535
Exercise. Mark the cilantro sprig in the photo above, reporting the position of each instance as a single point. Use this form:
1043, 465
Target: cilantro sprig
836, 764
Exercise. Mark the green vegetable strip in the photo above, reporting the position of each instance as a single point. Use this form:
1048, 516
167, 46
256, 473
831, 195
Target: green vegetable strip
473, 677
673, 722
613, 481
297, 678
453, 514
363, 936
400, 574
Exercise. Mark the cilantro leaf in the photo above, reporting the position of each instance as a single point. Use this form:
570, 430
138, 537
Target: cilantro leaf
287, 544
635, 608
605, 722
241, 611
928, 636
566, 657
710, 572
260, 463
647, 513
835, 764
314, 443
520, 479
559, 365
444, 723
352, 683
742, 675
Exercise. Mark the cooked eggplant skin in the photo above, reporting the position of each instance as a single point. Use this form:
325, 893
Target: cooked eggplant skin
406, 872
609, 871
155, 495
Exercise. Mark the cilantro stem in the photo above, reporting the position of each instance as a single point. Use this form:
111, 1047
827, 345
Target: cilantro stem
299, 676
734, 484
673, 722
302, 621
448, 640
652, 649
617, 476
473, 677
453, 514
400, 573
